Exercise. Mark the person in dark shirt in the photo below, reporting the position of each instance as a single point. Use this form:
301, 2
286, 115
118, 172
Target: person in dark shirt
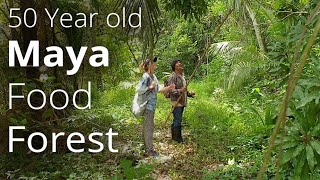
177, 78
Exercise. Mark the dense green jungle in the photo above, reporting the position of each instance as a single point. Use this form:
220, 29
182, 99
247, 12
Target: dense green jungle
254, 66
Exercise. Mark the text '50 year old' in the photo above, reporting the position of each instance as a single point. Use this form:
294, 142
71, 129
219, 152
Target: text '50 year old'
80, 20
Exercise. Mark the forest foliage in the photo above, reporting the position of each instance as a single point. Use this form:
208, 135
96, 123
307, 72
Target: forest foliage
245, 51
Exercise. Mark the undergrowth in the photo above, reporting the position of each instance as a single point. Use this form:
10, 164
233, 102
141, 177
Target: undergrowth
220, 127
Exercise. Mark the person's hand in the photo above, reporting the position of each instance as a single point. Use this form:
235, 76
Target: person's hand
183, 90
153, 84
172, 87
192, 93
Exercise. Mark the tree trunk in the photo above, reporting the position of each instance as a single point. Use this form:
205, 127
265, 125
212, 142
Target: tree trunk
4, 130
4, 125
13, 31
256, 29
29, 34
43, 29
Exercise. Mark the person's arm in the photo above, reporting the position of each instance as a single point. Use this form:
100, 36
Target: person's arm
175, 92
179, 91
167, 89
143, 87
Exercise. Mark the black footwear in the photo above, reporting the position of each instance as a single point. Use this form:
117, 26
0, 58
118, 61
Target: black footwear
179, 136
152, 153
176, 135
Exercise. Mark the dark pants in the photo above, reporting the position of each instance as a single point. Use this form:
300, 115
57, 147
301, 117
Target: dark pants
177, 117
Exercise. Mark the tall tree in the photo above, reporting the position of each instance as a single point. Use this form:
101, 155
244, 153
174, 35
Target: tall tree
256, 28
29, 34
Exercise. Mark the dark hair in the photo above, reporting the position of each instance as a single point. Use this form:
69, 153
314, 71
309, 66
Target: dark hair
146, 63
173, 64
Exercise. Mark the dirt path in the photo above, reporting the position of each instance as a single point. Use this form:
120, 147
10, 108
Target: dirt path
175, 161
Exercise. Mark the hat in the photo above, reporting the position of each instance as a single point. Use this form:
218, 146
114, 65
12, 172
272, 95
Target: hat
155, 59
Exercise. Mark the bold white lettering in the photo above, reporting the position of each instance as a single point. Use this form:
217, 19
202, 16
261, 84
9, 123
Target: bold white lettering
58, 56
118, 20
124, 17
14, 49
16, 17
76, 61
104, 56
91, 18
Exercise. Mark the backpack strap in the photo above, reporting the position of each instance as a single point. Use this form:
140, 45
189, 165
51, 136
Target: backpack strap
148, 81
148, 84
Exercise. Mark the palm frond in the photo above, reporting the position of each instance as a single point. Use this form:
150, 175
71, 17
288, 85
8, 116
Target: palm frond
245, 64
150, 13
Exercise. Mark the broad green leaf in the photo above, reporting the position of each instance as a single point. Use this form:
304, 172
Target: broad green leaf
308, 83
143, 171
316, 146
287, 139
298, 150
310, 157
125, 164
300, 163
255, 111
307, 99
305, 172
297, 114
290, 145
129, 173
287, 156
269, 119
315, 131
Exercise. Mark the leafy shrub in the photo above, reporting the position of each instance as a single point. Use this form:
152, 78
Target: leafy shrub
131, 172
246, 168
301, 142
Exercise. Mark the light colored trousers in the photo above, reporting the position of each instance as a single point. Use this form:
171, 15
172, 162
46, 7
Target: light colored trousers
148, 128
